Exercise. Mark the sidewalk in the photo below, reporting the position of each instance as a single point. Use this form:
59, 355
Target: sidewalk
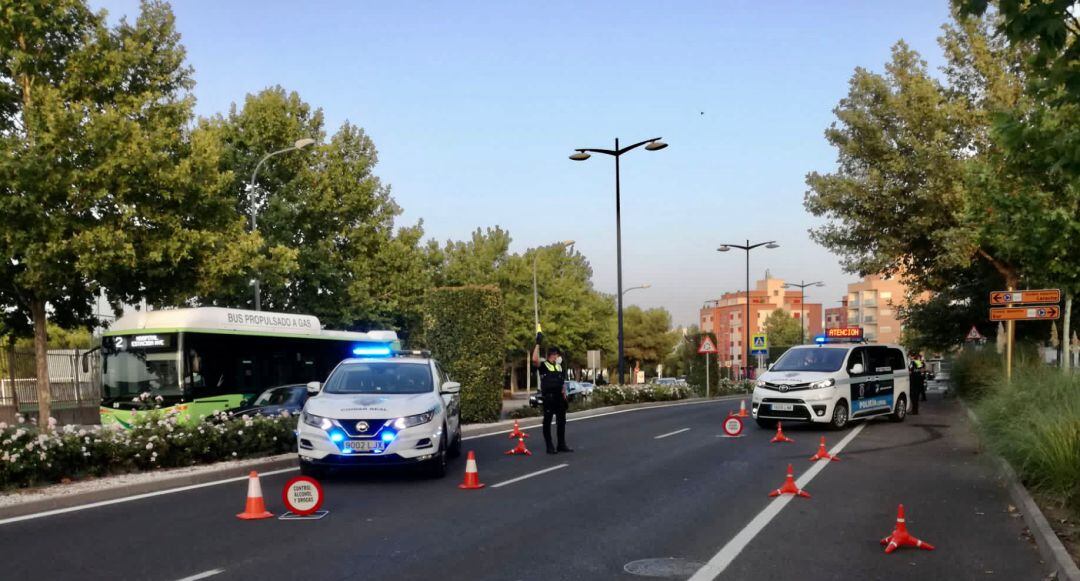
514, 402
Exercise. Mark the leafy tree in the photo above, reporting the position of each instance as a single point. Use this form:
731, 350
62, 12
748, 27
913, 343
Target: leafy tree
327, 209
782, 328
647, 335
103, 185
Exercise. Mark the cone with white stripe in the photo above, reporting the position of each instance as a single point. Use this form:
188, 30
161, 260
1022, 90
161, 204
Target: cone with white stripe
789, 486
519, 449
255, 508
517, 433
742, 410
900, 536
472, 477
823, 454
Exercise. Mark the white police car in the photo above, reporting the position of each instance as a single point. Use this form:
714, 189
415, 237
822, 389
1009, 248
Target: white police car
833, 383
381, 408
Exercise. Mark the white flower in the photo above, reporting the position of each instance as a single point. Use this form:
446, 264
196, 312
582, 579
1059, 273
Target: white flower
84, 448
240, 432
149, 445
52, 422
3, 425
234, 454
21, 419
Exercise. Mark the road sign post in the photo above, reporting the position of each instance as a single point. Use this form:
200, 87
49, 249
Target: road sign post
1041, 307
706, 347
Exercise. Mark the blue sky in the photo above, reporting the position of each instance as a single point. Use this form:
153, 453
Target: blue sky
475, 106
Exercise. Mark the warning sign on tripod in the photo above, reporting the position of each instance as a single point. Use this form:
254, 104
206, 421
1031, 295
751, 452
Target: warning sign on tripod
303, 496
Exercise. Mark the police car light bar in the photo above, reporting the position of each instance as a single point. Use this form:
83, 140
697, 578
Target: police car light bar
372, 351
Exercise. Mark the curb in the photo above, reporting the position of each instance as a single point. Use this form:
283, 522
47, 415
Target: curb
212, 473
1050, 547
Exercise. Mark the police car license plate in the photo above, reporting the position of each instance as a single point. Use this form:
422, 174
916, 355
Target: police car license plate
363, 445
783, 407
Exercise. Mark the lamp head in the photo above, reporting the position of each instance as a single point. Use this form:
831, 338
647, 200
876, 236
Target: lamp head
723, 248
580, 156
302, 143
772, 245
655, 145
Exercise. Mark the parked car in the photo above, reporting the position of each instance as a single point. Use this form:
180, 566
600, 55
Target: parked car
274, 401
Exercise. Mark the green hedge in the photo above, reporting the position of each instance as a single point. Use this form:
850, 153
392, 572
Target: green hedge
465, 330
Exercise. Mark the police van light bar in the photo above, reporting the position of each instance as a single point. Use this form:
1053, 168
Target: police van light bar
372, 351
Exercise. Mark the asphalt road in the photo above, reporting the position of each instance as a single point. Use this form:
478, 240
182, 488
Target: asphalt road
650, 484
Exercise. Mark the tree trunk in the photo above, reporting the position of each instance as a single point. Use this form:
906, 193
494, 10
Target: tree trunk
41, 350
1066, 335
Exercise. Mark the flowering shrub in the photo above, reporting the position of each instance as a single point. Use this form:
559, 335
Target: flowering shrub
156, 440
608, 395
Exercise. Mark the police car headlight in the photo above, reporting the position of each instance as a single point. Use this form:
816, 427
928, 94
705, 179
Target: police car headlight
760, 383
418, 419
316, 421
823, 383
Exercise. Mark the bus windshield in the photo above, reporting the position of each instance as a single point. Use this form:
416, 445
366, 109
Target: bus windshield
382, 377
136, 364
811, 359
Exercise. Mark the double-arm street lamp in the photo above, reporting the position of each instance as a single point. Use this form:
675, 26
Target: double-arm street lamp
582, 154
746, 323
252, 186
801, 285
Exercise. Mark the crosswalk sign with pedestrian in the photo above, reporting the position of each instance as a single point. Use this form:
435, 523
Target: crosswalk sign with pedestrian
759, 341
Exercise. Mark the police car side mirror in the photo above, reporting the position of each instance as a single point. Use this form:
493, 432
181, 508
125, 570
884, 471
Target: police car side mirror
451, 387
313, 387
856, 369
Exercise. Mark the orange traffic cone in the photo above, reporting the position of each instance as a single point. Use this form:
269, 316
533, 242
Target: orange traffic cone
519, 449
517, 433
789, 486
780, 437
472, 477
900, 536
823, 454
742, 410
255, 507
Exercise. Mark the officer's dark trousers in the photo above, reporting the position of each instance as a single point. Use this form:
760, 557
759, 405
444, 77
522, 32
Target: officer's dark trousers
554, 406
918, 392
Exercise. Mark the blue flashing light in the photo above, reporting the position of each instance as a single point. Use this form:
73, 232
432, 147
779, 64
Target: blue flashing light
388, 436
372, 351
336, 436
820, 339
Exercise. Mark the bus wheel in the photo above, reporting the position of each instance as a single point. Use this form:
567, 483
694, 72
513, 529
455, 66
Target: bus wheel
839, 416
900, 411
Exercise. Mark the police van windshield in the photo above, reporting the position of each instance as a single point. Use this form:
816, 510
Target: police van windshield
811, 359
382, 377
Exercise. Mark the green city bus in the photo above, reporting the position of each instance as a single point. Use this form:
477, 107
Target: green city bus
202, 360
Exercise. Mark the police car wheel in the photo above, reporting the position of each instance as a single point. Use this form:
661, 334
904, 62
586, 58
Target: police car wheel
840, 416
900, 411
316, 472
455, 447
436, 467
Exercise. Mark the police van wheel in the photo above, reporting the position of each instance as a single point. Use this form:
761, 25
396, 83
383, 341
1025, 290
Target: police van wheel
900, 411
840, 416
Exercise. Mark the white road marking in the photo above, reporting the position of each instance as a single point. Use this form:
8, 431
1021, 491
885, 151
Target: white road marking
529, 475
661, 436
202, 575
25, 517
727, 554
656, 407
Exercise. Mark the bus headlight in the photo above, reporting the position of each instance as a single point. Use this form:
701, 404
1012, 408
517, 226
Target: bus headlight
823, 383
418, 419
316, 421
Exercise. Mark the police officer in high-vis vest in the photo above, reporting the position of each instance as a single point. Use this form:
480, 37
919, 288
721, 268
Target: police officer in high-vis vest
553, 388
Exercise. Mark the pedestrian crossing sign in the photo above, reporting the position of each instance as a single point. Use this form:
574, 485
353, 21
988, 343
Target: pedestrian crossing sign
759, 341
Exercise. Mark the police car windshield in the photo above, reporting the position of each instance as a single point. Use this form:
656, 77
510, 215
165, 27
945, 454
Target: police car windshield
811, 359
382, 377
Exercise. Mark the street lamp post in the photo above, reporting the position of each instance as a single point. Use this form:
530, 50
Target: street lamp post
801, 285
646, 285
297, 145
746, 323
653, 144
536, 308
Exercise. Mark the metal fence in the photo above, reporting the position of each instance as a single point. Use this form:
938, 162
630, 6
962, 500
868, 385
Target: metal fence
70, 383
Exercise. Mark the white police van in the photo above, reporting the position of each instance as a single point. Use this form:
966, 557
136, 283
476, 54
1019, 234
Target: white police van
381, 408
833, 383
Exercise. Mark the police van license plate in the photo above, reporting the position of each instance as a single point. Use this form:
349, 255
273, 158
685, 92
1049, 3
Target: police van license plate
363, 445
783, 407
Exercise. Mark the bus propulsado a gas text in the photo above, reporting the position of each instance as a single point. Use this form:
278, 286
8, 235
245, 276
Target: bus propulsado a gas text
202, 360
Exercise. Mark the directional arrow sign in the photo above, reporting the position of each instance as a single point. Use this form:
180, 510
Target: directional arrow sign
1025, 297
1025, 313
